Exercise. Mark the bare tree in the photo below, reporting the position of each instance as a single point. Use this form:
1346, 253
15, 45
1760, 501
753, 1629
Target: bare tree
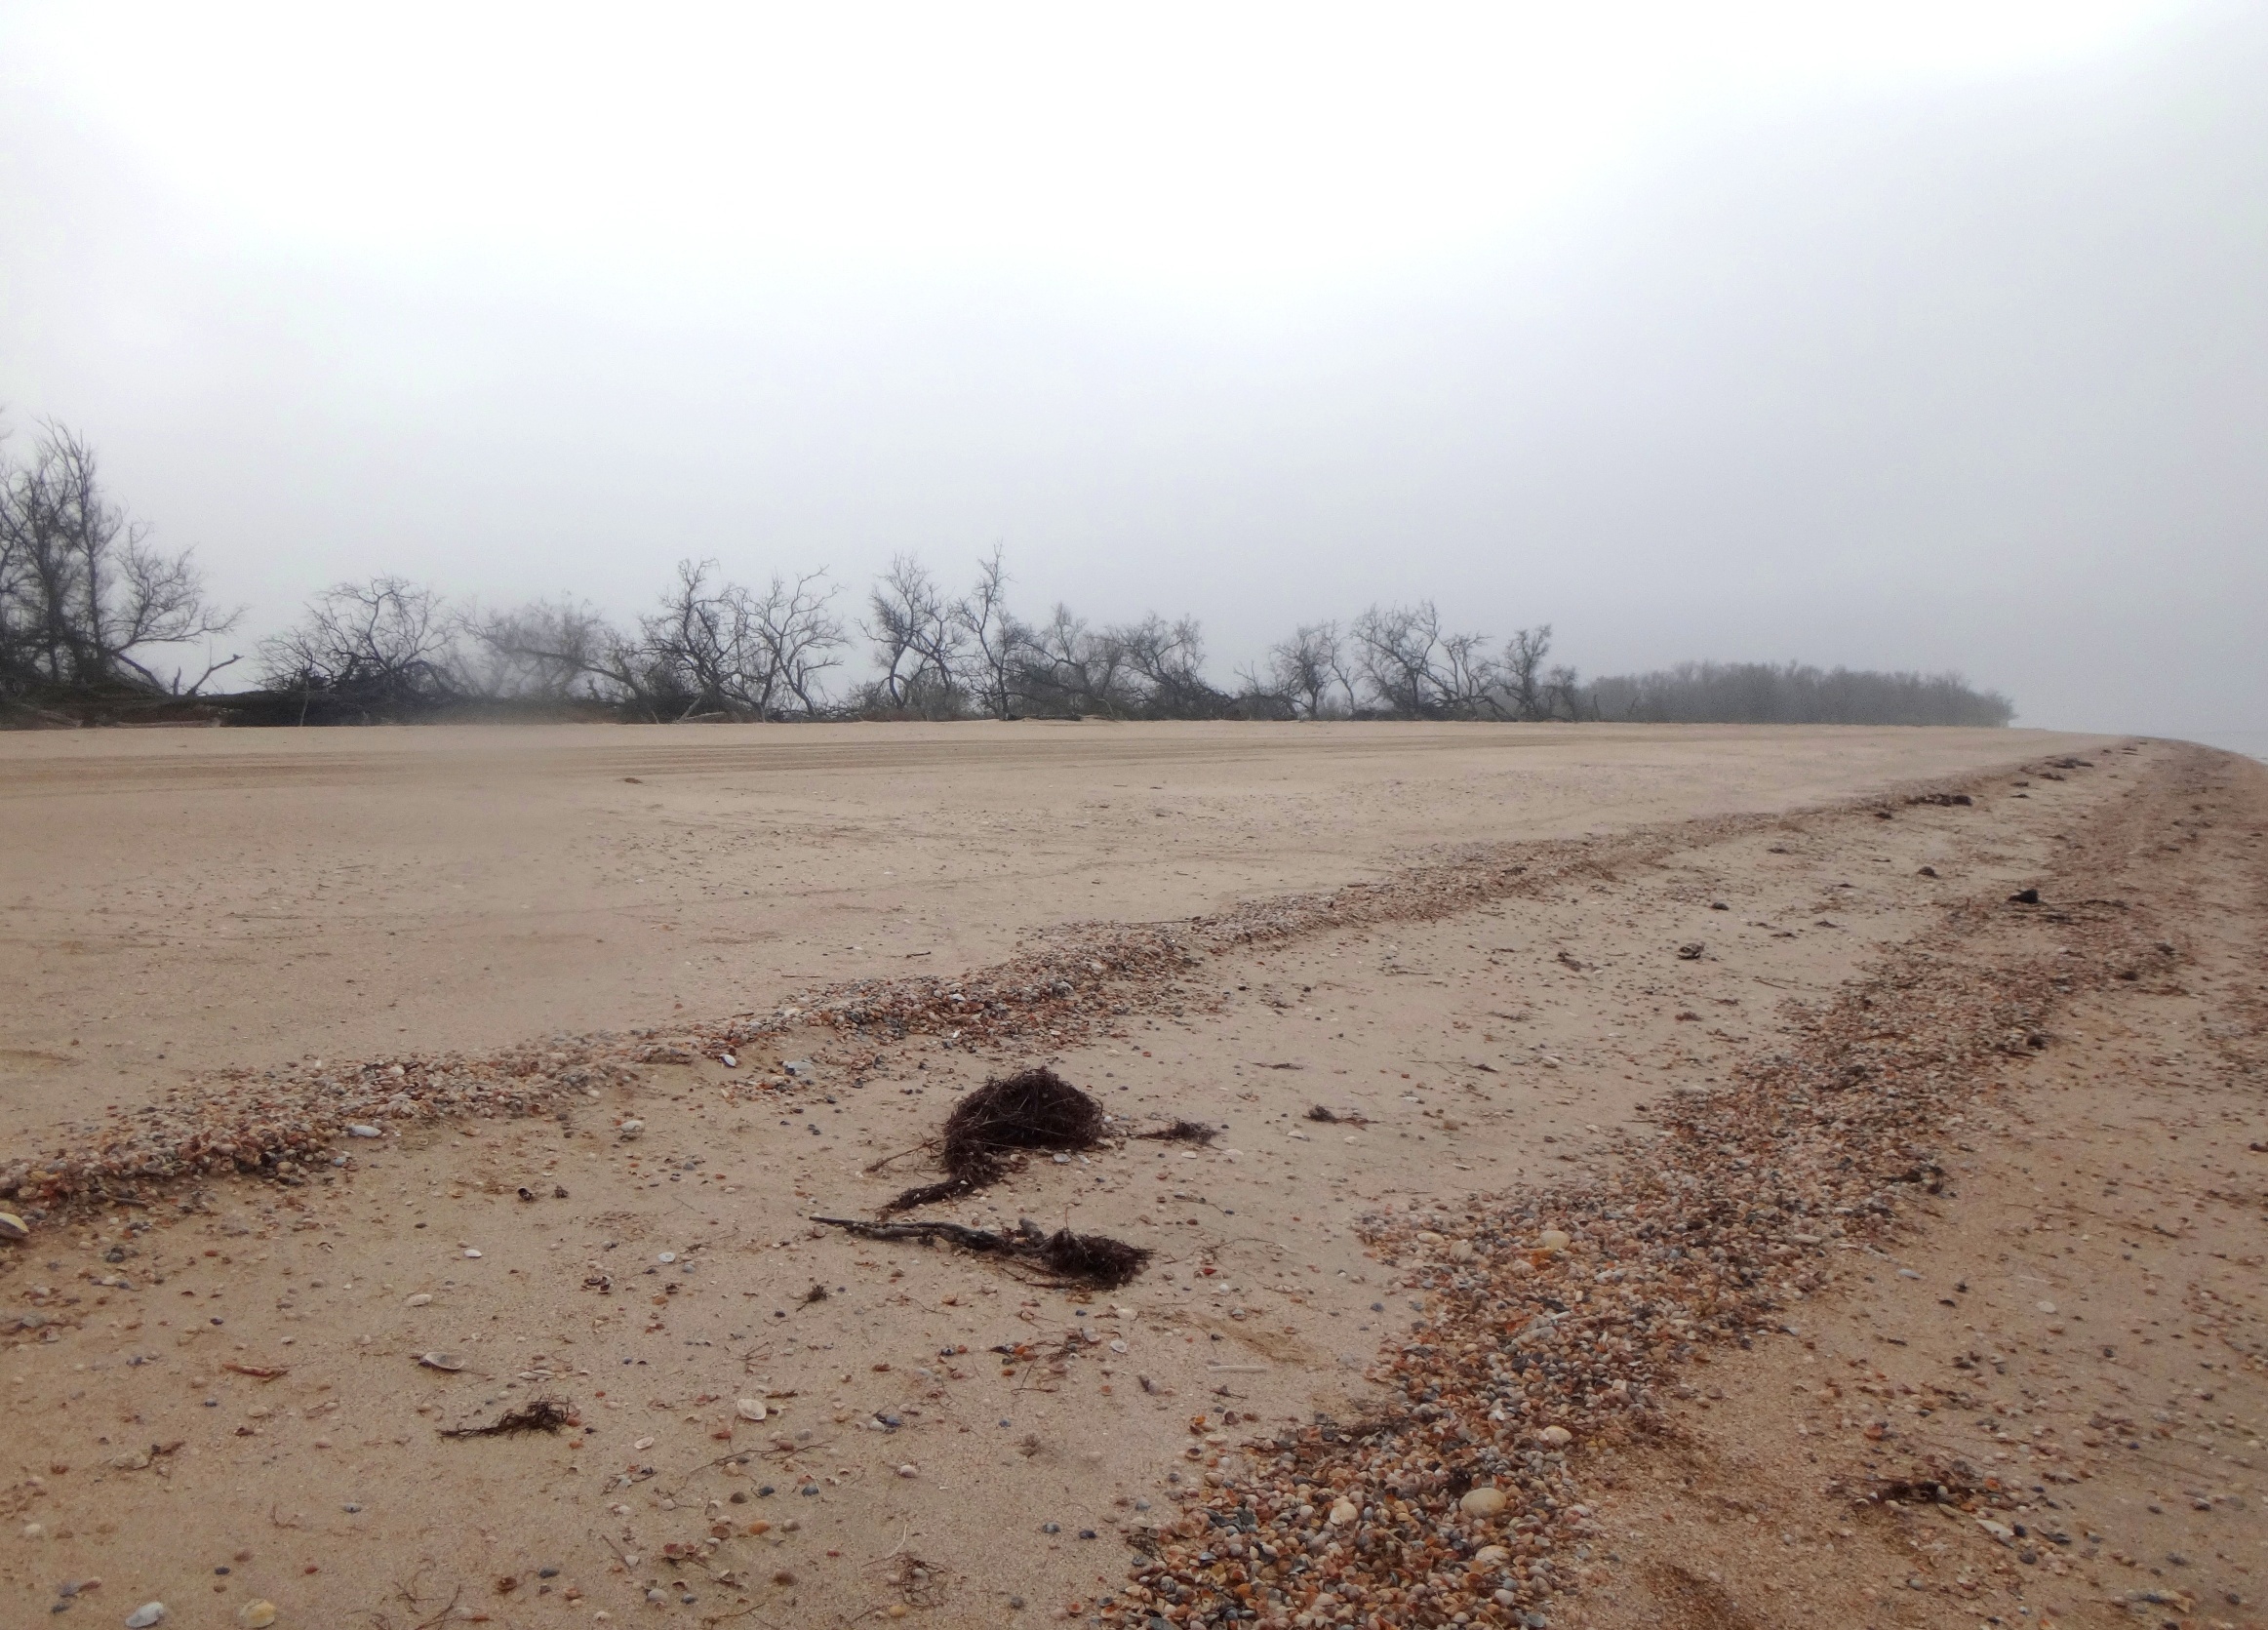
376, 649
85, 602
544, 650
993, 637
722, 648
1167, 663
917, 638
1305, 668
1416, 669
1523, 687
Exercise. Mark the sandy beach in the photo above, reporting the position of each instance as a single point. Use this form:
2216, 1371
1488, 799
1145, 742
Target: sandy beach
1658, 1176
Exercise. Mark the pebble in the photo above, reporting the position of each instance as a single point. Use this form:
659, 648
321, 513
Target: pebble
1343, 1513
469, 1252
909, 1470
145, 1616
1554, 1240
642, 1443
1484, 1502
256, 1615
360, 1129
423, 1299
666, 1256
1559, 1437
750, 1409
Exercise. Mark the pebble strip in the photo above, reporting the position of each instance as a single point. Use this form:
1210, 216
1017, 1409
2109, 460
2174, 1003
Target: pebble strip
1552, 1319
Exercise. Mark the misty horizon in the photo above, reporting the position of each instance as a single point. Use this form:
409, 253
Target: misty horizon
1921, 345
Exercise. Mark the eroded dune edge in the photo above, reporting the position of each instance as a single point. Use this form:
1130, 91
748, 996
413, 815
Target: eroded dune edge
1928, 1294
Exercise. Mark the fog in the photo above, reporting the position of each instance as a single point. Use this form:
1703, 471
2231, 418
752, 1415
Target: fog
1923, 337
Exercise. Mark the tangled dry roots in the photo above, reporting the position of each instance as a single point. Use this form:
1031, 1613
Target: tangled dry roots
1032, 1109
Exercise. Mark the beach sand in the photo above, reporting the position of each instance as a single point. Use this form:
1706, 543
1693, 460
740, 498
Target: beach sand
1566, 950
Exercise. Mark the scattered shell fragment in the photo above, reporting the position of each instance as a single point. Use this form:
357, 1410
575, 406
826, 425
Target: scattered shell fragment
256, 1615
422, 1299
12, 1227
442, 1361
751, 1408
357, 1129
145, 1616
1343, 1513
1559, 1437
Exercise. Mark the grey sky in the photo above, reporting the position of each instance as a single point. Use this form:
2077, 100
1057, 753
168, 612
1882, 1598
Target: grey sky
1910, 335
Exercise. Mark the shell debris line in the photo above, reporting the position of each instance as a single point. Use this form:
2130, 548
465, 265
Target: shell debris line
1550, 1320
1072, 983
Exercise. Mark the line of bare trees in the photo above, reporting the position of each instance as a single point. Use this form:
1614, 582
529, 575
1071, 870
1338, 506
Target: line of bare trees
714, 649
89, 608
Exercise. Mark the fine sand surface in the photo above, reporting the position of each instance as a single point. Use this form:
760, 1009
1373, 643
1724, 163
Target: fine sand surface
173, 902
1867, 1181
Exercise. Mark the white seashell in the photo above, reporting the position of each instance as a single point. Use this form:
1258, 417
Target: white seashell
14, 1227
145, 1616
441, 1361
643, 1443
471, 1252
423, 1299
751, 1408
358, 1130
256, 1615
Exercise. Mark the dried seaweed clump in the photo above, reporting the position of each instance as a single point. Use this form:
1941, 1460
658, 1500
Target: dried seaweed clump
1032, 1109
537, 1414
1183, 1131
1093, 1261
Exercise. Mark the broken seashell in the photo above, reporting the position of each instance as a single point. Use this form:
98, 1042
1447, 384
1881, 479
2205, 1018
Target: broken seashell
441, 1361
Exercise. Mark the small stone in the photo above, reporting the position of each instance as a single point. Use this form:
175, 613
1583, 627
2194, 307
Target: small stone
1484, 1502
1491, 1556
898, 1610
441, 1361
469, 1252
1559, 1437
909, 1470
631, 1128
1554, 1239
750, 1409
256, 1615
358, 1130
642, 1443
1462, 1252
145, 1616
423, 1299
666, 1256
1050, 1528
1343, 1513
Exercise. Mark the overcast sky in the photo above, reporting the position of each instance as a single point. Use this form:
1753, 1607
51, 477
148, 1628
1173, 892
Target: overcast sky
1917, 335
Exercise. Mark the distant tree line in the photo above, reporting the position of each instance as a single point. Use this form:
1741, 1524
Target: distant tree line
1792, 693
87, 608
